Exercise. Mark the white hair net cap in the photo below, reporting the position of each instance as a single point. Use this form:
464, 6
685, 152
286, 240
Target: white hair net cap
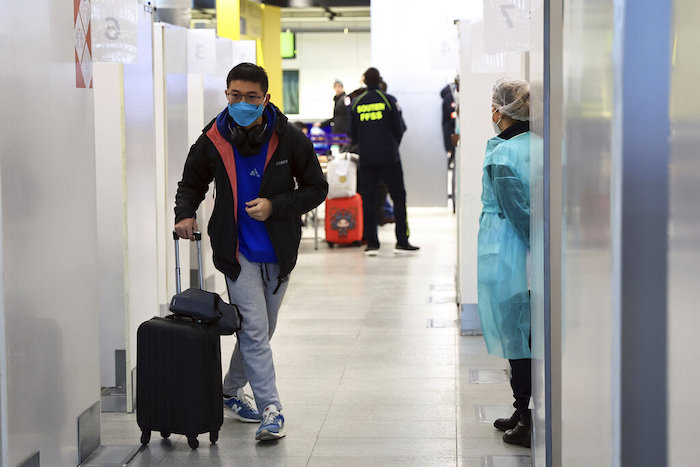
511, 97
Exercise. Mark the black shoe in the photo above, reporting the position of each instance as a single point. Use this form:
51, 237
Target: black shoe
403, 248
520, 435
505, 424
372, 250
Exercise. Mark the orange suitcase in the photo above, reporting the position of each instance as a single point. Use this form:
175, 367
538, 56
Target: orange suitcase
344, 221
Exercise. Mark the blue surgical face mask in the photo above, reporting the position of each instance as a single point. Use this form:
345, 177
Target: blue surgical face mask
244, 113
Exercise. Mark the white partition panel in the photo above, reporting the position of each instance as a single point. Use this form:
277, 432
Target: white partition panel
163, 220
477, 77
195, 123
111, 214
539, 199
126, 196
140, 157
176, 142
49, 234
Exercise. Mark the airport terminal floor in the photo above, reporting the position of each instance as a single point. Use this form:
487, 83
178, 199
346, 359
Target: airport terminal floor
371, 368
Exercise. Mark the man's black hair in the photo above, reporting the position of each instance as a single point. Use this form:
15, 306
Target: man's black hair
248, 72
372, 77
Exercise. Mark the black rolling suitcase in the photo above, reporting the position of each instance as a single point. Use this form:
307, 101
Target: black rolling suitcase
178, 376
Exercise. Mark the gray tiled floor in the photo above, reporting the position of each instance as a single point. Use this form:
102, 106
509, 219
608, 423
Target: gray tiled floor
363, 378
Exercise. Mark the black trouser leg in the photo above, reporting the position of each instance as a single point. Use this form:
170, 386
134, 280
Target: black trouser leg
520, 382
381, 197
392, 174
369, 178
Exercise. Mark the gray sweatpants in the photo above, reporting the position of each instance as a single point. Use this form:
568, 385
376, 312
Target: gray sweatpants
251, 360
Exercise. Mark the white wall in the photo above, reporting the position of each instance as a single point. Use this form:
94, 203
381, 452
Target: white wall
476, 88
321, 59
126, 198
417, 54
175, 143
49, 237
140, 158
111, 211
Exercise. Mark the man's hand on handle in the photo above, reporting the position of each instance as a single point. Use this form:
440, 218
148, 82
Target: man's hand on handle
186, 228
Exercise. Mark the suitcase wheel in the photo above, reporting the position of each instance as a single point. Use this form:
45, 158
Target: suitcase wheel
330, 244
213, 437
165, 434
357, 243
193, 442
145, 437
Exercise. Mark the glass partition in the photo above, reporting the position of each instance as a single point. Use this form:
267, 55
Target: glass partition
684, 241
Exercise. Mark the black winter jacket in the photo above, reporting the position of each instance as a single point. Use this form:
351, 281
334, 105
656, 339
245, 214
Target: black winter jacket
293, 160
376, 126
448, 121
341, 120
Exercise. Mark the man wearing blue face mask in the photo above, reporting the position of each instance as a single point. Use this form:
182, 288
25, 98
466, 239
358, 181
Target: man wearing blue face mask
255, 156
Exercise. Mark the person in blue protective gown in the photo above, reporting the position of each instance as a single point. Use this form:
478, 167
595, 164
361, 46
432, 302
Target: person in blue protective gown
504, 239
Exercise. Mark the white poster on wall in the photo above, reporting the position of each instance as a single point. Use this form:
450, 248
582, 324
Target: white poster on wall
472, 38
445, 47
201, 51
244, 51
507, 26
115, 31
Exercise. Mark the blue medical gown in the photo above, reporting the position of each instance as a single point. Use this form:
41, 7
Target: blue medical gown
504, 298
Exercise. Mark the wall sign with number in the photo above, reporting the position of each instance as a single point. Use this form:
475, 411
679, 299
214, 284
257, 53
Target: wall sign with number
244, 51
115, 30
201, 51
506, 26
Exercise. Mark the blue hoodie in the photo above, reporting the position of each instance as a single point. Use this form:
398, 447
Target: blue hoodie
253, 240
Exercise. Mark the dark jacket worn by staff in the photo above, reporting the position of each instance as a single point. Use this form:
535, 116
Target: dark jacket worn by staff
341, 120
448, 117
377, 126
290, 157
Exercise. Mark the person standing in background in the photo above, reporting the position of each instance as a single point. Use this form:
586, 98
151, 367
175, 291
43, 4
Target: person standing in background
376, 126
449, 120
340, 123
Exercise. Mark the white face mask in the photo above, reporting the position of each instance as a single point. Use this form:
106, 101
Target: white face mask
496, 129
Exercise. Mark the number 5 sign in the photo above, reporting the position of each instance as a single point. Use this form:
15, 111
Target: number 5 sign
506, 26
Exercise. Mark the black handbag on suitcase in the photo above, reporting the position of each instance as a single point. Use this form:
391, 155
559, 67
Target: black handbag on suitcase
200, 304
178, 377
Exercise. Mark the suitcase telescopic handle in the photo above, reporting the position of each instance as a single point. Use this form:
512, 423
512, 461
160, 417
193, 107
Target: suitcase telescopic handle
178, 280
